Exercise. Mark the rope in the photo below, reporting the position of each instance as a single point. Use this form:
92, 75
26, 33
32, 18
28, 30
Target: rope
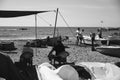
66, 23
63, 20
45, 20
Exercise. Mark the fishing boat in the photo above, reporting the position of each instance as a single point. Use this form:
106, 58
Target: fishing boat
110, 40
114, 38
109, 50
43, 43
98, 41
7, 46
22, 29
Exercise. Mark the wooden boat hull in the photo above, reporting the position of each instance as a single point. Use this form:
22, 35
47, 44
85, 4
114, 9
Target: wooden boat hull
113, 51
115, 42
114, 39
43, 43
7, 46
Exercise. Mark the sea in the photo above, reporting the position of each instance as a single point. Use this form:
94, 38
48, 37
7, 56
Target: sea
12, 32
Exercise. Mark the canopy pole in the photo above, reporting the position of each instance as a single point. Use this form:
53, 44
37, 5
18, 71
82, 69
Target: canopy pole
55, 23
35, 26
36, 32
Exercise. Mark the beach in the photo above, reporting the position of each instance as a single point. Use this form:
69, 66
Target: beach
81, 53
78, 54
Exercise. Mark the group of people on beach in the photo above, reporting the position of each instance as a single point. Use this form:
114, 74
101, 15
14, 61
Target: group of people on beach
79, 36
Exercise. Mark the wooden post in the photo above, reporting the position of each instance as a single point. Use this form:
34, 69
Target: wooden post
36, 26
55, 23
93, 40
36, 33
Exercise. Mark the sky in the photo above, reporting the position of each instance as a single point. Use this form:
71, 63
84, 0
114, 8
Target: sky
82, 13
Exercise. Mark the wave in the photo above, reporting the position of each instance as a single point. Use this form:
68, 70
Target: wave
9, 35
8, 29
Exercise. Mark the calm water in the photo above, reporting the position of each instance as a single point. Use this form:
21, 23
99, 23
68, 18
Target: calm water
15, 32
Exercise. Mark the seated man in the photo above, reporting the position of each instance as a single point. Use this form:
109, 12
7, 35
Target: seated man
60, 54
25, 64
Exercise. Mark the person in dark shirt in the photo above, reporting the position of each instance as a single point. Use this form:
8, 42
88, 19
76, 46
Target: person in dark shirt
25, 64
60, 53
93, 40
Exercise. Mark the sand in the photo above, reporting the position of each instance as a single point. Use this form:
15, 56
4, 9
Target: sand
81, 53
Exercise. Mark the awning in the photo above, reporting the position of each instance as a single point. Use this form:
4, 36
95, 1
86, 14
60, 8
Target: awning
8, 14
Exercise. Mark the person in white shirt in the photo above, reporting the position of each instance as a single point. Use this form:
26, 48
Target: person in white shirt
78, 33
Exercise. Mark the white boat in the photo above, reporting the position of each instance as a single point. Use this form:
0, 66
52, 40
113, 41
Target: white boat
85, 71
101, 71
109, 50
97, 41
112, 39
